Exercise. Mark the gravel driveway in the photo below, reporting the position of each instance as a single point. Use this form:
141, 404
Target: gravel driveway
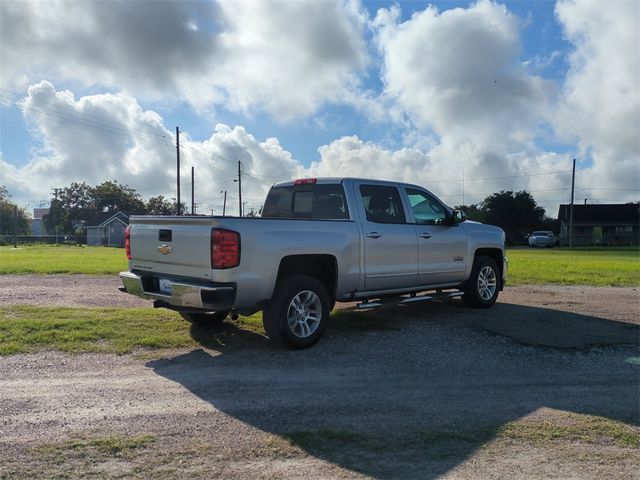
428, 391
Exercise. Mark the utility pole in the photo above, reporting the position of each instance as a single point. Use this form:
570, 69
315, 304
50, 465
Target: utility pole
57, 215
15, 226
463, 187
178, 209
239, 190
193, 205
573, 182
224, 204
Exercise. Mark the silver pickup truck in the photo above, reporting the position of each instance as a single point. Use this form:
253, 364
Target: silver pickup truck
319, 241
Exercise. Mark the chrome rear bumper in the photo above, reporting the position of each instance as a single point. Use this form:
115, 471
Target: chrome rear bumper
183, 296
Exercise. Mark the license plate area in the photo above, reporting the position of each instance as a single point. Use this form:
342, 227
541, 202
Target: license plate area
164, 286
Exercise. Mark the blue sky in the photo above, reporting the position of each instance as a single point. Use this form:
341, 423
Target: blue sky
504, 93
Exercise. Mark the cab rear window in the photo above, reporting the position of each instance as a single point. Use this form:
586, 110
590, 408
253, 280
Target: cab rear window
323, 202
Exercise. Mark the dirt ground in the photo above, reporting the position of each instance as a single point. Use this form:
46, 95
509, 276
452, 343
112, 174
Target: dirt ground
544, 385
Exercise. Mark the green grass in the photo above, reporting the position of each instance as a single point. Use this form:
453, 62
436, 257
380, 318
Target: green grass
45, 259
577, 267
595, 266
574, 428
25, 329
114, 445
29, 328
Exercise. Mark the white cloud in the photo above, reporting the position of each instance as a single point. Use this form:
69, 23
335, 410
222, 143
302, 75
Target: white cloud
601, 96
287, 58
105, 137
458, 72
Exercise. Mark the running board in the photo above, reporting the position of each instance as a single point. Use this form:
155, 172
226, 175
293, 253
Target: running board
411, 299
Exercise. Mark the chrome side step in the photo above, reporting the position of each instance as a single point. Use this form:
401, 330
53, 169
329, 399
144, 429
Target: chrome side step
410, 299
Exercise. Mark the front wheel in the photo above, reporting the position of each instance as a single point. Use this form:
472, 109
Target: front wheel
482, 287
297, 314
205, 319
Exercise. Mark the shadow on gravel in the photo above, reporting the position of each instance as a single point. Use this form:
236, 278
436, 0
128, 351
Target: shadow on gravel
534, 325
556, 328
417, 399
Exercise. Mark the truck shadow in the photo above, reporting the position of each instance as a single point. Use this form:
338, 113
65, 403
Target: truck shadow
418, 398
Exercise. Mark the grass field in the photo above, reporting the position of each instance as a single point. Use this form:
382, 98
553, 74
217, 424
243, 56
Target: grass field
574, 267
25, 328
45, 259
599, 267
28, 328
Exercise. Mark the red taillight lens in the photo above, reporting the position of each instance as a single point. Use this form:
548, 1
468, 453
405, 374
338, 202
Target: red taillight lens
305, 181
127, 241
225, 248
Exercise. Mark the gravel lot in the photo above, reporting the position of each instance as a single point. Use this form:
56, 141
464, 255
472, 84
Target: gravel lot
421, 393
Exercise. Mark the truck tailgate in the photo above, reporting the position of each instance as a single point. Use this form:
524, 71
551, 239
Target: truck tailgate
171, 246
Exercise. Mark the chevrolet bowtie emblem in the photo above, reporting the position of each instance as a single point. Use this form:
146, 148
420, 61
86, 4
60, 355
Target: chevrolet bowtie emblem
165, 249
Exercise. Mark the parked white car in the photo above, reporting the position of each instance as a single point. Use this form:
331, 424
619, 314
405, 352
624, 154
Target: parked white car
542, 239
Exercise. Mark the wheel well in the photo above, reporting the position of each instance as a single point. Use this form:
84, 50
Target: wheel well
322, 267
494, 253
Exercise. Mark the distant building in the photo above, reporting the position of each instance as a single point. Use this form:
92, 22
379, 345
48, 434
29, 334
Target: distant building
108, 229
37, 223
603, 224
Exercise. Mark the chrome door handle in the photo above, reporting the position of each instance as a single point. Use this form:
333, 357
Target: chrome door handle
373, 235
425, 235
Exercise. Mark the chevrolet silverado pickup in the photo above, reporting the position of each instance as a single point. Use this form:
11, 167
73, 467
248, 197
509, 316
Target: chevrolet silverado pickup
319, 241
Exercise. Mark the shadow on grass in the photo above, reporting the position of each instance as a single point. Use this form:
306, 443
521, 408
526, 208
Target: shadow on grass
420, 396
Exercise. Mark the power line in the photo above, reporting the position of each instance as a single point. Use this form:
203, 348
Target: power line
610, 189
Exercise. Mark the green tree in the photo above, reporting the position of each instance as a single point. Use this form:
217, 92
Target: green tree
160, 206
517, 213
71, 208
21, 225
113, 197
472, 212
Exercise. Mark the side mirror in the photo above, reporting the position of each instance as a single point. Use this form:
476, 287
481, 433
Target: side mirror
458, 216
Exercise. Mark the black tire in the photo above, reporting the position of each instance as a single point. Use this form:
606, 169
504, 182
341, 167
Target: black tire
482, 292
308, 320
205, 319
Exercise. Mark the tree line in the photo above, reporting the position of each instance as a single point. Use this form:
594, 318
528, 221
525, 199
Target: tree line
14, 220
517, 213
76, 206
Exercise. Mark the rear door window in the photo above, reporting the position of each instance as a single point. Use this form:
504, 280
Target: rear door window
382, 204
322, 202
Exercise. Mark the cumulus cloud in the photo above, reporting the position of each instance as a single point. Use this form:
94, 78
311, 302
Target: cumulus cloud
601, 96
458, 72
287, 58
109, 136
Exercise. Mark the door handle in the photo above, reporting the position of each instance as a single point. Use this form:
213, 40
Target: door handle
373, 235
425, 235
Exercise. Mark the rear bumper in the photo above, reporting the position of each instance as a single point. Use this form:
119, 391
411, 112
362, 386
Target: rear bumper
183, 296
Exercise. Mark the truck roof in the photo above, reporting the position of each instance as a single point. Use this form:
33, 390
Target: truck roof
334, 180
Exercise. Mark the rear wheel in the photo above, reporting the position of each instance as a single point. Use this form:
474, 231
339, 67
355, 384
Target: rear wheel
298, 312
205, 318
482, 287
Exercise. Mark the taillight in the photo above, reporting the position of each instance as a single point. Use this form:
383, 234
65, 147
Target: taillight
225, 248
305, 181
127, 241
